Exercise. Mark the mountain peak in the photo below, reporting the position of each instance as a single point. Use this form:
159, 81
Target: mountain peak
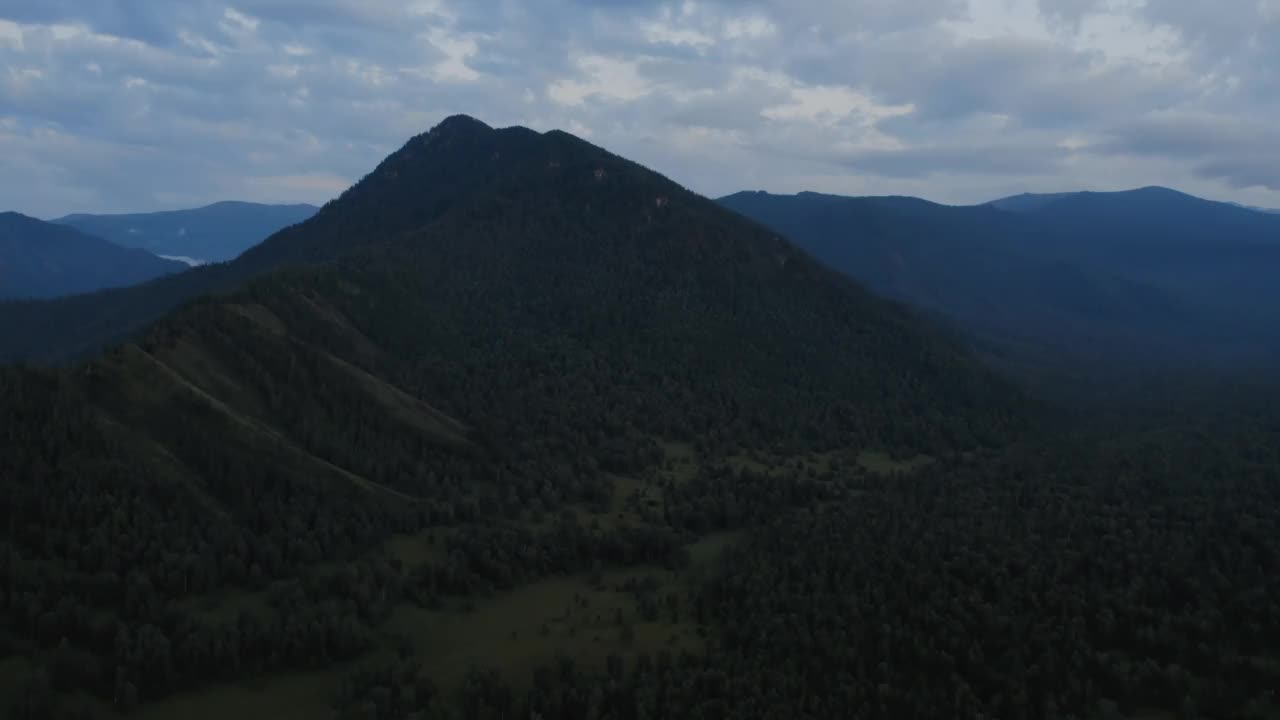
457, 163
1161, 191
455, 124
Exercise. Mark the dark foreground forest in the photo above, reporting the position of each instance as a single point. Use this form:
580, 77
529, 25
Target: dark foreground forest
518, 429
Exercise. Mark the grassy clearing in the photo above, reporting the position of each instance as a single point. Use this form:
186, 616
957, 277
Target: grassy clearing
773, 465
625, 488
410, 410
681, 461
260, 315
190, 359
629, 494
706, 552
581, 616
420, 548
13, 670
292, 696
705, 555
519, 630
514, 632
876, 462
881, 464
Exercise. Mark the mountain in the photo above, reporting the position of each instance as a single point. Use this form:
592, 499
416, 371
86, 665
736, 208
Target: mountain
501, 357
1027, 202
1214, 255
1151, 199
213, 233
1146, 279
44, 260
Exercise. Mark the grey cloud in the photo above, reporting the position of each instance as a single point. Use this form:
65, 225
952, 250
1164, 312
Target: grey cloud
1241, 152
1039, 83
1192, 135
859, 16
737, 110
1228, 25
1232, 39
319, 90
142, 20
926, 161
1245, 171
374, 14
1068, 11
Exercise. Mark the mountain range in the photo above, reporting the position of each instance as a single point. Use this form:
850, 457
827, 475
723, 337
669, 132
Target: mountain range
516, 427
1081, 280
1149, 278
44, 260
213, 233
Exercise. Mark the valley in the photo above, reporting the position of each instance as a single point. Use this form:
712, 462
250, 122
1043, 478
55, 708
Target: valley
618, 612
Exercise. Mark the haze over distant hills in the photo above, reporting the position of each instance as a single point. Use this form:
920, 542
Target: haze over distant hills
1269, 211
46, 260
213, 233
1150, 277
1026, 202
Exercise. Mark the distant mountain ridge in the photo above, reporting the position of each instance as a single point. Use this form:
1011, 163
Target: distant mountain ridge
213, 233
46, 260
1027, 202
1147, 278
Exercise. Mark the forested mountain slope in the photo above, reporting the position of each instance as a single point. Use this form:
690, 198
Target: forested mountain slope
482, 342
213, 233
45, 260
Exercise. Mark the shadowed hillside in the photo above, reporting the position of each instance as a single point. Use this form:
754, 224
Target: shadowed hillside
44, 260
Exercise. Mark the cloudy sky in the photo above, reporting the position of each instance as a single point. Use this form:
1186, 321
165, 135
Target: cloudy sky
131, 105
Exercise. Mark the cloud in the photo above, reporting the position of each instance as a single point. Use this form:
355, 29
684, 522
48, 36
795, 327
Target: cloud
1242, 152
600, 77
124, 105
925, 161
